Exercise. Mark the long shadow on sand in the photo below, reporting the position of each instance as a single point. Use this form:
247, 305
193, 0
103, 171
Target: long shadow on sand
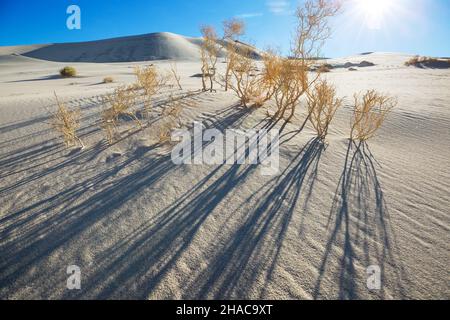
251, 252
32, 236
359, 229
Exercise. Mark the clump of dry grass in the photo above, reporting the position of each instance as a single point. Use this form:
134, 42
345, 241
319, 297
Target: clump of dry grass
108, 80
324, 68
66, 123
369, 113
322, 106
68, 72
416, 60
118, 104
151, 82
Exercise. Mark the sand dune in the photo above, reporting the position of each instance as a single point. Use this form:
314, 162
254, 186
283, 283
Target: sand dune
153, 46
140, 227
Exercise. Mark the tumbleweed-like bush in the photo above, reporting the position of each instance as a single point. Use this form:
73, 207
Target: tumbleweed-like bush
66, 123
322, 106
369, 113
68, 72
118, 104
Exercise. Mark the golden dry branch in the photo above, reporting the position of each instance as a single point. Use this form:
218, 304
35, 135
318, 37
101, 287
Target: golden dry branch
118, 104
369, 113
66, 123
322, 106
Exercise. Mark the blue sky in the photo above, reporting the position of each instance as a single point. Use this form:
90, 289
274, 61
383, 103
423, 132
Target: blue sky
411, 26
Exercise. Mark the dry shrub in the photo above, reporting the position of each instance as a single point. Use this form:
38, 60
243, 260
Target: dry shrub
66, 122
175, 75
108, 80
324, 68
209, 51
291, 84
416, 60
322, 106
170, 119
68, 72
245, 83
232, 30
369, 113
311, 32
151, 82
118, 104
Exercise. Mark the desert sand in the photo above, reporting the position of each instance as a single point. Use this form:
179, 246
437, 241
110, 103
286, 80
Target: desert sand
139, 226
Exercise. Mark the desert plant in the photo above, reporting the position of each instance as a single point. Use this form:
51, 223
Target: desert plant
174, 73
232, 29
208, 53
324, 68
151, 82
369, 113
66, 123
291, 84
108, 80
312, 30
245, 83
322, 106
118, 104
170, 119
68, 72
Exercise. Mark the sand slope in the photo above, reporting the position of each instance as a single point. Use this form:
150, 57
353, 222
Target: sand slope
140, 227
153, 46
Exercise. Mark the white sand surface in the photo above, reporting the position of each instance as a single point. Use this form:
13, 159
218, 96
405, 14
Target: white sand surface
140, 227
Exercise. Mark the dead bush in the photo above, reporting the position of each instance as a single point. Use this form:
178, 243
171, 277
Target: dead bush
322, 106
118, 104
245, 82
369, 113
151, 82
324, 68
175, 76
312, 29
208, 53
66, 123
232, 30
170, 119
108, 80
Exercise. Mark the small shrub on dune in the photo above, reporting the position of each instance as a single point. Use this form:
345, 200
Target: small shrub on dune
324, 68
151, 82
246, 85
369, 113
232, 29
66, 123
108, 80
118, 104
322, 106
68, 72
209, 51
170, 120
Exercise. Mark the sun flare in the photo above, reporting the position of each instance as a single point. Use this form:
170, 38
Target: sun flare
374, 11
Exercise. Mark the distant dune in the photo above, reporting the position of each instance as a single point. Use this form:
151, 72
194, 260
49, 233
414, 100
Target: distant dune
153, 46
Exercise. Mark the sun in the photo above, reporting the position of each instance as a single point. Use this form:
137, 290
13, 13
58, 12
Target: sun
374, 11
